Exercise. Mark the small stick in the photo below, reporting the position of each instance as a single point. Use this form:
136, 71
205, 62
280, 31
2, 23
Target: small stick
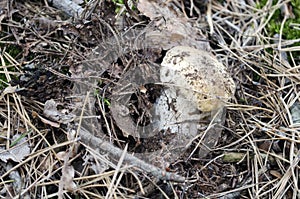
97, 143
132, 13
69, 7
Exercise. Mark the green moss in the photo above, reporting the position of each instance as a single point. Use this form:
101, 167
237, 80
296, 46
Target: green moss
105, 100
14, 51
256, 77
119, 5
97, 95
261, 4
288, 30
3, 79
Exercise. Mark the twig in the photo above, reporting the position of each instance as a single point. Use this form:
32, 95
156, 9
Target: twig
69, 7
88, 138
209, 18
98, 143
133, 14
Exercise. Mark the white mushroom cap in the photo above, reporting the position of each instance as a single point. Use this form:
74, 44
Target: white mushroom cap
198, 76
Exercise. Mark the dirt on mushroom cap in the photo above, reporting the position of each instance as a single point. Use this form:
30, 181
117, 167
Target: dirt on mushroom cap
190, 69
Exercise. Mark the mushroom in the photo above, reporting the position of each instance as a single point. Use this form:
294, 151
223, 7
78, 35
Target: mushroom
195, 85
197, 76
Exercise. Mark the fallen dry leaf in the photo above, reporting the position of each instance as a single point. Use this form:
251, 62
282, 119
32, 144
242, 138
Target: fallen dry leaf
18, 152
68, 173
51, 123
8, 90
51, 112
169, 28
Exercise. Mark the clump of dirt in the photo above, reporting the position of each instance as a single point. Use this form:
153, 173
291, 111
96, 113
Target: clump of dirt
42, 85
143, 100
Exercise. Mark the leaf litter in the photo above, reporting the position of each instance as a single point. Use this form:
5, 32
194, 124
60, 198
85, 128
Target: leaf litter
18, 150
260, 126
